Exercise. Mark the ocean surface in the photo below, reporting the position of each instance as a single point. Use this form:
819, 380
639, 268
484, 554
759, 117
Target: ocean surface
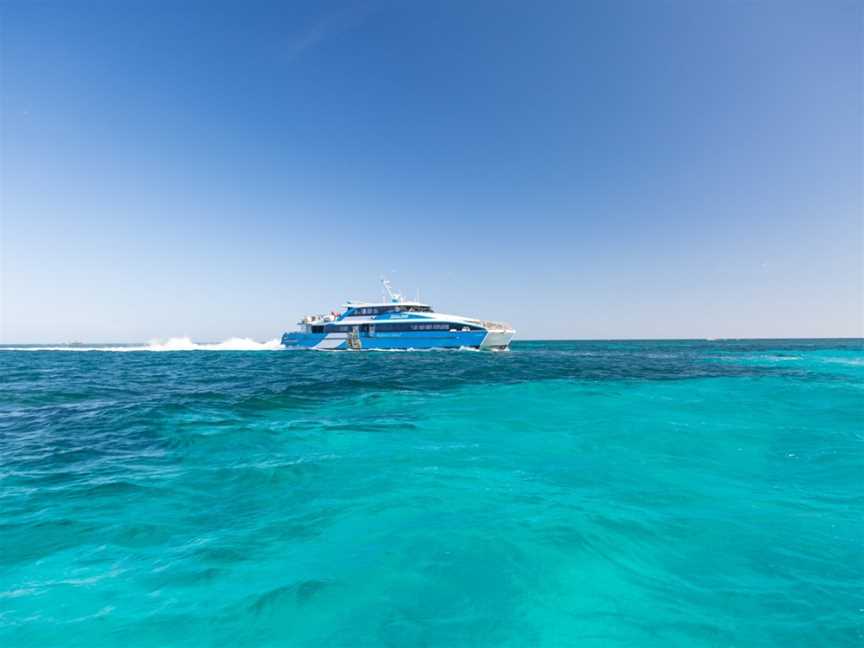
692, 493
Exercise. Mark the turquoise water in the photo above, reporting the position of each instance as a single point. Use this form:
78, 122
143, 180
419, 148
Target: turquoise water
562, 494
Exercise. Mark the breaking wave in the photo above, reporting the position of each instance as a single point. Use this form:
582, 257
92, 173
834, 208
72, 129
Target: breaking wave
171, 344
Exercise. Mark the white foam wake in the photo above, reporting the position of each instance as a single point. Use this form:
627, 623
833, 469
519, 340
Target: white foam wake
231, 344
171, 344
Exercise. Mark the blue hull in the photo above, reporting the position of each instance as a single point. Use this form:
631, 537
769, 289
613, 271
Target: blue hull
385, 341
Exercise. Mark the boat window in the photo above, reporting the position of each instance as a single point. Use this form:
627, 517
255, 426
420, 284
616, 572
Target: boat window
370, 310
395, 308
339, 328
434, 326
392, 327
317, 329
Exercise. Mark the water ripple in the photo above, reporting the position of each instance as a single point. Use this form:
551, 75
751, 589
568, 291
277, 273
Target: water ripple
591, 493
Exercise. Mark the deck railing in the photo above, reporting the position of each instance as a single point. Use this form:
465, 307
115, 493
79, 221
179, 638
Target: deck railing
492, 326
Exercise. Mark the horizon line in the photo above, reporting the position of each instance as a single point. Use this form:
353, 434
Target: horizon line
629, 339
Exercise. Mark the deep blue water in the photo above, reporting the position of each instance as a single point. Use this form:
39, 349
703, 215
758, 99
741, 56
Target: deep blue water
562, 494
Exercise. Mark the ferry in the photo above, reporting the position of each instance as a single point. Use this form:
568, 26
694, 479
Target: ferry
396, 323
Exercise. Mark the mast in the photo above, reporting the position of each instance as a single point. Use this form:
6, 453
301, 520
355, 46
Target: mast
394, 296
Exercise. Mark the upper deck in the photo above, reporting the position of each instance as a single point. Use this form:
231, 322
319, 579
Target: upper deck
378, 308
394, 302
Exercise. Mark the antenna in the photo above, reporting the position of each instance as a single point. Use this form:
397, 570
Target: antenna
394, 296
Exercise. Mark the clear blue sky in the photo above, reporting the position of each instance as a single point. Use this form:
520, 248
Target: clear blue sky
580, 169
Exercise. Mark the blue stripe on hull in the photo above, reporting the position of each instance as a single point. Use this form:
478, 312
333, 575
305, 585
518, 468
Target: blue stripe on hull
396, 340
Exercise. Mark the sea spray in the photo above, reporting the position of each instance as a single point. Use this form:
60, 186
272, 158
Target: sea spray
171, 344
